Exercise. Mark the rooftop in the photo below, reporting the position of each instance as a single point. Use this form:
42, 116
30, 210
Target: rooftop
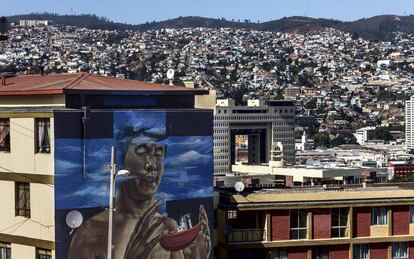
333, 196
84, 82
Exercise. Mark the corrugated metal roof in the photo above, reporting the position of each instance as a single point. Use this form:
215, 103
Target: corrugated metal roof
59, 83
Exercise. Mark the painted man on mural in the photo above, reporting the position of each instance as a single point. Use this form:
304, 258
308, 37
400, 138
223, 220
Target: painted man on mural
140, 231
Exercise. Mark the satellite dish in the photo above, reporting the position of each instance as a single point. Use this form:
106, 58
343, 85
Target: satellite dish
74, 219
239, 186
170, 74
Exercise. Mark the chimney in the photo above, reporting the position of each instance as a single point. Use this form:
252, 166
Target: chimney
2, 80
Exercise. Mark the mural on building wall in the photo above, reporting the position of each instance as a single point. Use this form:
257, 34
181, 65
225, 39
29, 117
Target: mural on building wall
164, 208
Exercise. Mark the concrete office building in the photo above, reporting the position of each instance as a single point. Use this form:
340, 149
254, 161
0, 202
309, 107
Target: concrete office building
269, 126
409, 123
363, 135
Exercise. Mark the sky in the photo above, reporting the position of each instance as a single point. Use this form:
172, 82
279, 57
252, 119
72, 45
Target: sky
139, 11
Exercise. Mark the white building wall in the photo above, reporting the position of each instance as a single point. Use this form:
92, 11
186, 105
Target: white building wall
409, 123
22, 160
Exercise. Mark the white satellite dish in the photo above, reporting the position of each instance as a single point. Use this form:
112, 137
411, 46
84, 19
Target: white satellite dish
239, 186
170, 73
74, 219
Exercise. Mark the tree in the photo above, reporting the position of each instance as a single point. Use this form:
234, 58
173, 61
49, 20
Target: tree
298, 134
311, 104
322, 139
383, 134
266, 66
324, 70
350, 138
342, 139
337, 141
305, 80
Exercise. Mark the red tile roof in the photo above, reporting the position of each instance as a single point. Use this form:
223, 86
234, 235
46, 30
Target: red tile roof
61, 83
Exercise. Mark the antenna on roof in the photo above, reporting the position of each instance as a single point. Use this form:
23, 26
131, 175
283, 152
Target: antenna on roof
170, 75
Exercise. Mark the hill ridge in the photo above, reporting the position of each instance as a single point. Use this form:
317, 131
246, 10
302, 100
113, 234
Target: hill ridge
378, 27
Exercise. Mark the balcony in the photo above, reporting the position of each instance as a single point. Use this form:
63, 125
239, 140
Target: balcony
247, 235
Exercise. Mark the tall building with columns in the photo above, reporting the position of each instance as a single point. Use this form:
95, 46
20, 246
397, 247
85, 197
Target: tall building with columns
409, 123
269, 125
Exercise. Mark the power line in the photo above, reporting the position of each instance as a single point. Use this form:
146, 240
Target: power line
40, 223
1, 231
19, 226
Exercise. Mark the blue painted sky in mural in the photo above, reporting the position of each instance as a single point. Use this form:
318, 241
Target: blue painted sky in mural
73, 188
188, 163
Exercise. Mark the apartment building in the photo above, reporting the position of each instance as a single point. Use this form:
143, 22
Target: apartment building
32, 109
374, 222
409, 123
26, 176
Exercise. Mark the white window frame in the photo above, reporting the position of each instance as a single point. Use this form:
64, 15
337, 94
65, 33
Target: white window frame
379, 216
5, 135
299, 228
400, 250
5, 250
340, 227
357, 251
42, 136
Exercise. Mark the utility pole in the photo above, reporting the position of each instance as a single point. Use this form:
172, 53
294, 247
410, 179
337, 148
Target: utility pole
111, 204
112, 207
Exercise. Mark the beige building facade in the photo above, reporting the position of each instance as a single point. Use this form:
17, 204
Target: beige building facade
30, 234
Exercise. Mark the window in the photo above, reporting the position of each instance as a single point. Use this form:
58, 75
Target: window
5, 250
43, 254
379, 216
411, 214
399, 251
5, 135
320, 253
361, 252
339, 217
279, 254
43, 135
22, 193
298, 224
231, 214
